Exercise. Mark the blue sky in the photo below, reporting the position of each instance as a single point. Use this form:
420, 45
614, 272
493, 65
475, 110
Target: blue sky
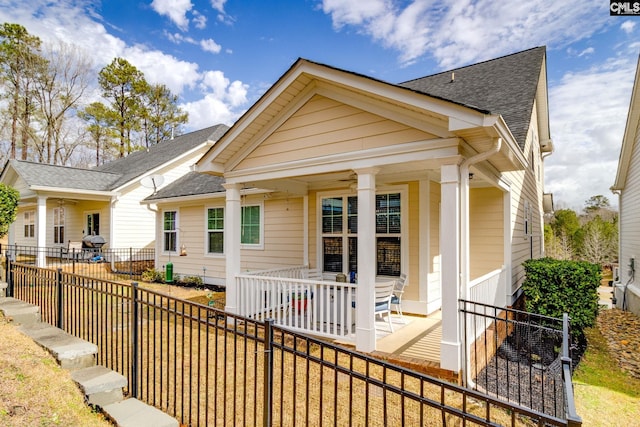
219, 56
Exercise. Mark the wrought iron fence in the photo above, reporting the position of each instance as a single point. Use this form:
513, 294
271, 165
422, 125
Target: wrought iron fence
100, 263
519, 357
208, 367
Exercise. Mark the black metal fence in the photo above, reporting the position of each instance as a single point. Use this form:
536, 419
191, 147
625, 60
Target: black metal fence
520, 357
208, 367
99, 263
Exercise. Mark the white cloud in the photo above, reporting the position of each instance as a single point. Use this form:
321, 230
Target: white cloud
628, 26
175, 10
159, 67
209, 111
587, 51
466, 31
218, 5
209, 45
199, 20
588, 113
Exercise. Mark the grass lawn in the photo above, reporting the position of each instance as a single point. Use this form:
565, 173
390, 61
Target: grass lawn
605, 395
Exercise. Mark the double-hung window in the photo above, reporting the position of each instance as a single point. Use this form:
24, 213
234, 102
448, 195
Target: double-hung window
58, 225
339, 227
215, 230
30, 224
251, 230
169, 229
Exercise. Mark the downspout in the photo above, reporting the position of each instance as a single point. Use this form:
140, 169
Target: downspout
154, 208
464, 234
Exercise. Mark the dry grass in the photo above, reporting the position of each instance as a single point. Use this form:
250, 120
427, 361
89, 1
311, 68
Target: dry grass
34, 390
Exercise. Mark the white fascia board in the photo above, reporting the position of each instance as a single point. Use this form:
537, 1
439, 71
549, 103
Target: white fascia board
199, 197
77, 193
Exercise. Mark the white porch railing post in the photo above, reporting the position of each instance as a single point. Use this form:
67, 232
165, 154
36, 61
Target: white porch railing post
232, 218
41, 237
365, 291
450, 345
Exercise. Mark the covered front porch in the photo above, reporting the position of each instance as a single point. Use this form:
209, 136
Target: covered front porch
349, 175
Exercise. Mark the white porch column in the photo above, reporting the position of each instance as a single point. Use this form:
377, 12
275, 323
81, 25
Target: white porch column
232, 222
41, 233
450, 345
365, 291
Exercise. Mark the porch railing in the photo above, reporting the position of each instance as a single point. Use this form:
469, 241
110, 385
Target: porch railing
318, 307
490, 288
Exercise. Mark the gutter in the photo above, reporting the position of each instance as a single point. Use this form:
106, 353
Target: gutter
464, 234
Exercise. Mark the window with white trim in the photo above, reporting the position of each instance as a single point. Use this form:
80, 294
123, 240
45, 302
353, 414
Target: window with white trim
30, 224
58, 225
169, 229
215, 230
251, 225
339, 231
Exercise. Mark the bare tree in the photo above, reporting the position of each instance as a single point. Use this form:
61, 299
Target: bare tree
60, 89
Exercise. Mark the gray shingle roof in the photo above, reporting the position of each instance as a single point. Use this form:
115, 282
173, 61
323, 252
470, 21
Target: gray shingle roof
140, 162
191, 184
114, 174
40, 174
505, 86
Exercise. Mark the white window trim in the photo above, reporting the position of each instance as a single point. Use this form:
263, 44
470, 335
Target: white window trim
56, 223
177, 229
259, 246
206, 233
32, 221
403, 189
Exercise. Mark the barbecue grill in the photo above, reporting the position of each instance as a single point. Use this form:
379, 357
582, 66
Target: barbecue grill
95, 242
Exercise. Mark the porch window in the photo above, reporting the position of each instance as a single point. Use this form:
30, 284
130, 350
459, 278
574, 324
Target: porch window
169, 229
215, 230
251, 229
93, 224
29, 224
58, 225
340, 234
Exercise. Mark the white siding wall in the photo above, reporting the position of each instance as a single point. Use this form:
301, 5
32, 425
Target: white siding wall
134, 223
630, 229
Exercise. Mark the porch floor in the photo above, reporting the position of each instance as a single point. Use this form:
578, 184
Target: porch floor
415, 343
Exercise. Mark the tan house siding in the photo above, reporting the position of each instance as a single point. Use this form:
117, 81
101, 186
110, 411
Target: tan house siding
323, 127
282, 246
412, 292
526, 190
435, 285
486, 231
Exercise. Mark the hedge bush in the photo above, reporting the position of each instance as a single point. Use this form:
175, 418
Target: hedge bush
553, 287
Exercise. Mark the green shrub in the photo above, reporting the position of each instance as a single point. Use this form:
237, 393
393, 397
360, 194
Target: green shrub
553, 287
153, 275
190, 281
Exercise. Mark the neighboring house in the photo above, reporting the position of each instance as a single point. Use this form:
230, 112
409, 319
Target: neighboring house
59, 204
439, 178
627, 186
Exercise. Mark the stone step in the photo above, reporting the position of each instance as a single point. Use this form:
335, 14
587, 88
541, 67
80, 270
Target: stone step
101, 385
134, 413
19, 312
71, 352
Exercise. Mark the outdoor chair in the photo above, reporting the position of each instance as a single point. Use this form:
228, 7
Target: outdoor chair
396, 299
383, 294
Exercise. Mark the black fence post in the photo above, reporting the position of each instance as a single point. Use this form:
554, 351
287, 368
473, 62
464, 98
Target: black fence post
73, 260
9, 276
130, 263
268, 373
59, 297
134, 340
